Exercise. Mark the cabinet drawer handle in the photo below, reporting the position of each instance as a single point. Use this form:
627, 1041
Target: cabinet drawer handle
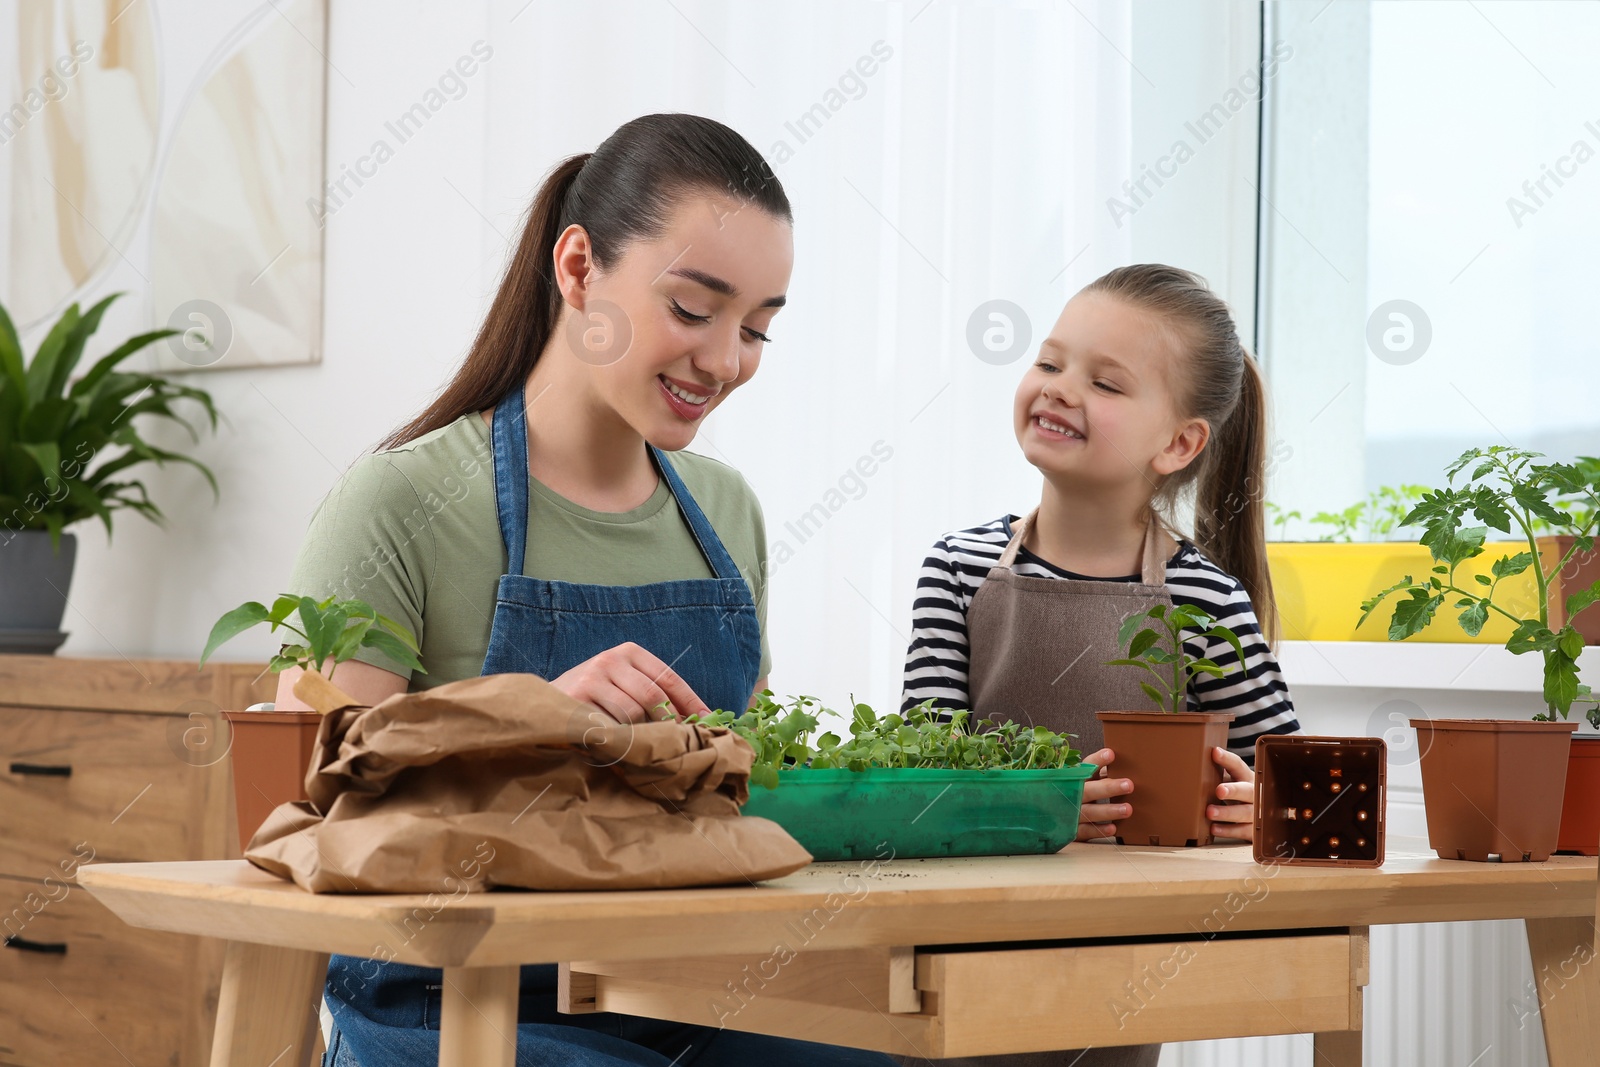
53, 948
57, 770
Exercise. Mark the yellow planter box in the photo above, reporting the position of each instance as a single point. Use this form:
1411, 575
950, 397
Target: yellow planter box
1320, 587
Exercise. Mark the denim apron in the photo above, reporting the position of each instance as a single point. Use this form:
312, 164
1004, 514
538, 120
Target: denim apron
387, 1014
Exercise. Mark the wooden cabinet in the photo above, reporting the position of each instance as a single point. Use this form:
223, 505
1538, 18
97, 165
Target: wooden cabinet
105, 760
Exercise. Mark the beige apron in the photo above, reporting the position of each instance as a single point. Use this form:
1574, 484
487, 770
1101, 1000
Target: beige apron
1038, 646
1038, 652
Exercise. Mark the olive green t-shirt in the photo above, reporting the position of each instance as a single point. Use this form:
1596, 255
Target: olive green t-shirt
413, 531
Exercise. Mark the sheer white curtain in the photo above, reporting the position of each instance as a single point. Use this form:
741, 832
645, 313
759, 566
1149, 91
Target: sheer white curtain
970, 165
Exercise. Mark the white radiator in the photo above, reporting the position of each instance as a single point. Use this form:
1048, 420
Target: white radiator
1442, 995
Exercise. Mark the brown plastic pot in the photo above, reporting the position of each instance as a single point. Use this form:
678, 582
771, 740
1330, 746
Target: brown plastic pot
1320, 800
271, 753
1581, 573
1493, 787
1168, 759
1580, 807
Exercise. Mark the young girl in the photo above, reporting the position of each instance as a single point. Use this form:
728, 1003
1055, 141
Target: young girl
1141, 391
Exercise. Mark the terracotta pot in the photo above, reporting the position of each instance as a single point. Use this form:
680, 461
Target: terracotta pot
1581, 573
1320, 800
1580, 808
1492, 787
1168, 759
271, 753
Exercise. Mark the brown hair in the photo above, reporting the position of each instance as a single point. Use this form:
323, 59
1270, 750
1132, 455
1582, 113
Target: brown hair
622, 191
1221, 384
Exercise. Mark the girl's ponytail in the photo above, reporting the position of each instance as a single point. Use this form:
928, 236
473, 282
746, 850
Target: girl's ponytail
1218, 382
622, 191
1229, 512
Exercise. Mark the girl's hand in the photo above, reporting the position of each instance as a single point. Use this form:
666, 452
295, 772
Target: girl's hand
1235, 818
1097, 814
628, 683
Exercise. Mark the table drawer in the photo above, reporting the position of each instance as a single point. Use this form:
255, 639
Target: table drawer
967, 1001
81, 987
111, 786
1030, 1000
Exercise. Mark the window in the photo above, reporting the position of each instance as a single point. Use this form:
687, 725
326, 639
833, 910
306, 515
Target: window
1430, 224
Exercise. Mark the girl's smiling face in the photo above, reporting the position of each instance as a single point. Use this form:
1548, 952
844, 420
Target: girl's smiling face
680, 320
1098, 405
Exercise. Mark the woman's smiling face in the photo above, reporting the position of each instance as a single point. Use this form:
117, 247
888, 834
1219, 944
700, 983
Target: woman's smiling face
680, 320
1097, 404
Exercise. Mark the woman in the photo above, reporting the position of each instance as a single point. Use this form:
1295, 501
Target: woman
529, 520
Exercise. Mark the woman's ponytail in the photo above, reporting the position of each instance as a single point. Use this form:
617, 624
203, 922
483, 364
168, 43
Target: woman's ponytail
622, 191
1220, 383
520, 320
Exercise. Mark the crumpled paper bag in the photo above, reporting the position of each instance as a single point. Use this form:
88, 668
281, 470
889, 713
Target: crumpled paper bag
506, 781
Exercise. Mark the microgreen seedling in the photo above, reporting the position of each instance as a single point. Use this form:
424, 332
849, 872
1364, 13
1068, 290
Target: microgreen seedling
921, 736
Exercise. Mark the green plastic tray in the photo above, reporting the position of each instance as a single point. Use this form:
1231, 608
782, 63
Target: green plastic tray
924, 811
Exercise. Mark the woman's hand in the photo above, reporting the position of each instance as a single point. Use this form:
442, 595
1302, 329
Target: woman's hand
1235, 818
628, 683
1097, 814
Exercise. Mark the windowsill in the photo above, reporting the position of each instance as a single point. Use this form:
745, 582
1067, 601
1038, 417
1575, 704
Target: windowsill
1419, 665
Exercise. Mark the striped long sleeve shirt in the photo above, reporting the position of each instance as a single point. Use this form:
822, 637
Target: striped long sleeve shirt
936, 662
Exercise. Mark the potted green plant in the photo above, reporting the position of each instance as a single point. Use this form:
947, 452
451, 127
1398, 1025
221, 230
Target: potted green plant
1572, 569
922, 783
1570, 566
271, 750
1167, 752
65, 448
1495, 787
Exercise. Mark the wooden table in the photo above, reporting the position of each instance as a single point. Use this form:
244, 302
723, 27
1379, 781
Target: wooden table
1097, 945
